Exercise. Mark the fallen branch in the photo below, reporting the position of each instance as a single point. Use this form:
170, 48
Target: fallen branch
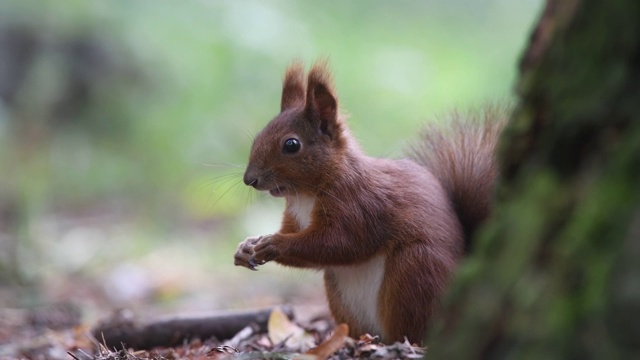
123, 329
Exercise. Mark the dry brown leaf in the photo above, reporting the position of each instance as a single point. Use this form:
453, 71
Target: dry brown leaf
282, 330
280, 327
368, 338
335, 342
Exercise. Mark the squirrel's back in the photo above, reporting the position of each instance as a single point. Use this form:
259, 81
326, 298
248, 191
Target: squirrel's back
461, 152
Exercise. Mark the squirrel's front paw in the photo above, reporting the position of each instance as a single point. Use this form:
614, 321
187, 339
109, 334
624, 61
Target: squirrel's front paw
254, 251
244, 253
265, 250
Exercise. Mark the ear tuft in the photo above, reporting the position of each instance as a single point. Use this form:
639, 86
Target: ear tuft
322, 103
293, 87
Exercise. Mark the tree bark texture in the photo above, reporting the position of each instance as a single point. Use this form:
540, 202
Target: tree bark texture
555, 273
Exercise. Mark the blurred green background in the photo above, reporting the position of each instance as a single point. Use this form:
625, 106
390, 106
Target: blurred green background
124, 127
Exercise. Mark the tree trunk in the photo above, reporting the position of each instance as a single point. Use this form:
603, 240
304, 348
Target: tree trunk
555, 273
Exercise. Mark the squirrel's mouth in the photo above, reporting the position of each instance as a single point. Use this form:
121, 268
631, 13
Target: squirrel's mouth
280, 191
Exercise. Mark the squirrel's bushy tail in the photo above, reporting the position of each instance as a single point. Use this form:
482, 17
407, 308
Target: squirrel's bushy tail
461, 152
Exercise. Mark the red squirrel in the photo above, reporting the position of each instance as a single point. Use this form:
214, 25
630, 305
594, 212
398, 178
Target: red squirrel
388, 234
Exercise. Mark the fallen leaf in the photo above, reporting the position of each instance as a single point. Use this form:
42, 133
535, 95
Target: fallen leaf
335, 342
282, 330
368, 338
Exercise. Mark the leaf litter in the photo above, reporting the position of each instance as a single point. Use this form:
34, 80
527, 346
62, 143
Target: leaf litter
284, 339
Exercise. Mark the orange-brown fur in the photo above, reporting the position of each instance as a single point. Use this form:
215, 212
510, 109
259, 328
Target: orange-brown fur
405, 213
461, 153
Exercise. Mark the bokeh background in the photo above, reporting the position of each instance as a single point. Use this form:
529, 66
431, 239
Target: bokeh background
125, 126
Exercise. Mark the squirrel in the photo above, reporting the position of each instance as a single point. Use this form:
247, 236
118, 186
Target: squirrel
387, 233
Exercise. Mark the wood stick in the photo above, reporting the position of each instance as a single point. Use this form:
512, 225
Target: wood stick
174, 330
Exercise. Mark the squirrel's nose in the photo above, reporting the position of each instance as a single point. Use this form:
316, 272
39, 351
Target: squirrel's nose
250, 178
251, 182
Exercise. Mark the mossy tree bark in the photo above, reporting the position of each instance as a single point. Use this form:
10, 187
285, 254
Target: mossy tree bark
555, 273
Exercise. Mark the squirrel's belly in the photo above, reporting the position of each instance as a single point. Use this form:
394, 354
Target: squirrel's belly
358, 287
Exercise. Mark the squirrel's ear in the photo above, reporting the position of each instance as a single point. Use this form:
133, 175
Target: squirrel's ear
293, 87
322, 103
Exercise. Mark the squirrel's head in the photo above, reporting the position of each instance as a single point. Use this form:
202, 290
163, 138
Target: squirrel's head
304, 144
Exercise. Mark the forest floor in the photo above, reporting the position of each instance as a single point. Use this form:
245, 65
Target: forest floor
85, 272
63, 331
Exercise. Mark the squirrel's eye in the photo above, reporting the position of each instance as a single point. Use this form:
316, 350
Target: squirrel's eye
291, 146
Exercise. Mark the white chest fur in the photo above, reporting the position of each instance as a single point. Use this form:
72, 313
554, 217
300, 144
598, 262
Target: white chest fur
300, 207
358, 287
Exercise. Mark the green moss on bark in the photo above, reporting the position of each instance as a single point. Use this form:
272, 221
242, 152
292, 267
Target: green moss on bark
553, 273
